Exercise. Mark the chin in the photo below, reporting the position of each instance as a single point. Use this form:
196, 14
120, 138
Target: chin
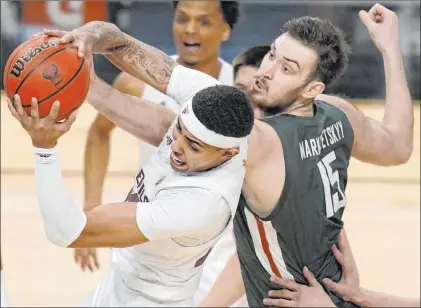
190, 60
258, 98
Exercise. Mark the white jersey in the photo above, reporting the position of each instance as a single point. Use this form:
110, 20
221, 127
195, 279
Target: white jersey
183, 216
225, 247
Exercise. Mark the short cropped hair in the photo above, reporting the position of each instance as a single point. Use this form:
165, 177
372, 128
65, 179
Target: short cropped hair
327, 40
225, 110
250, 57
230, 11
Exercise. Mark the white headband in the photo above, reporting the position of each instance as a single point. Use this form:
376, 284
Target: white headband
197, 129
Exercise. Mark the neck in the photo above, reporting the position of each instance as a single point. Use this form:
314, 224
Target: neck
211, 67
302, 108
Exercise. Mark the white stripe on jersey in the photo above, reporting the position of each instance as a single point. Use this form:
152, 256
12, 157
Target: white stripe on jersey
274, 247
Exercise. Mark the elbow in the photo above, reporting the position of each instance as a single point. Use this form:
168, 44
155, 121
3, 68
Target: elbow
401, 155
57, 239
404, 155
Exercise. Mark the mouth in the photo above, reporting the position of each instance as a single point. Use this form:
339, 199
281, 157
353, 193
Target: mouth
176, 162
191, 46
258, 85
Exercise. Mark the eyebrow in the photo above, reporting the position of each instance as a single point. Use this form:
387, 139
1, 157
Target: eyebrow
188, 138
287, 59
193, 141
293, 61
199, 15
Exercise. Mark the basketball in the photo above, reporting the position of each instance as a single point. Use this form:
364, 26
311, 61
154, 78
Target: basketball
42, 68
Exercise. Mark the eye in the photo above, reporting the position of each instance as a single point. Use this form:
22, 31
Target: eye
177, 125
181, 19
205, 22
192, 147
271, 55
285, 69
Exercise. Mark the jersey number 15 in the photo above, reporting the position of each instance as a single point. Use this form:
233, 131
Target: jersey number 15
330, 178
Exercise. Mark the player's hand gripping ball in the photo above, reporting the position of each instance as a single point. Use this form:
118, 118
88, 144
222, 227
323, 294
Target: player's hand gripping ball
49, 71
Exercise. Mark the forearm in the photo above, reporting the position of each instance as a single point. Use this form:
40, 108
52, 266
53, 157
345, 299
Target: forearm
376, 299
138, 59
399, 113
142, 119
63, 219
97, 155
144, 62
228, 288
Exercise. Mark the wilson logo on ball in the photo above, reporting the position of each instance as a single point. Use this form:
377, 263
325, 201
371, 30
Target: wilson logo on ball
30, 54
51, 73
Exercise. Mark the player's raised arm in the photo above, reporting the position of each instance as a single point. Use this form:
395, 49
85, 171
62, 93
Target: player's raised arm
139, 59
132, 56
389, 142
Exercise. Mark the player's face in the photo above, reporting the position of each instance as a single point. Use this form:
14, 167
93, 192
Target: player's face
244, 80
283, 77
245, 77
199, 29
189, 154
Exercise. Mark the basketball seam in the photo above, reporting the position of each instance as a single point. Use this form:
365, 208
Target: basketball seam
37, 66
76, 107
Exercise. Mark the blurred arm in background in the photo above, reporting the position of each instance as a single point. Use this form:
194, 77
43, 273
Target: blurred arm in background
228, 288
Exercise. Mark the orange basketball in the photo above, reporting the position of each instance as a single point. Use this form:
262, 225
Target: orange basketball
49, 71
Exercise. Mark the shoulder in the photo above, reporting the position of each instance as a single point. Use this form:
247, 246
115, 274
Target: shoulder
260, 142
352, 113
226, 75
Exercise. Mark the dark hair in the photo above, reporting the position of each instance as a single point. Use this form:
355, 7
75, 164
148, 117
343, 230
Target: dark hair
250, 57
230, 11
225, 110
328, 41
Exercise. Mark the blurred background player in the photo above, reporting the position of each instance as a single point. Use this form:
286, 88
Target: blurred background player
246, 65
199, 29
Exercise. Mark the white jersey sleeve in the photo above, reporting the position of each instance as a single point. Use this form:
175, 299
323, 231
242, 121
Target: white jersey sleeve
185, 83
193, 212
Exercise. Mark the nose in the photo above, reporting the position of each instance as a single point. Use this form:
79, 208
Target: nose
176, 146
190, 27
267, 69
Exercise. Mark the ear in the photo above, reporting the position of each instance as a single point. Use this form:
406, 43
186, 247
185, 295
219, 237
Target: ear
230, 153
226, 32
313, 89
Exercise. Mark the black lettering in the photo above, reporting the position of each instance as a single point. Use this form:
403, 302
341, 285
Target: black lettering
53, 43
18, 68
29, 54
45, 45
137, 193
38, 50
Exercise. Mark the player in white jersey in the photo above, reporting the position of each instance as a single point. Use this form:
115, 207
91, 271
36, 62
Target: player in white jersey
178, 208
199, 29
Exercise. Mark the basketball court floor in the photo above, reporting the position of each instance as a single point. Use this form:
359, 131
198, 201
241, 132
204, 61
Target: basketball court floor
382, 217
